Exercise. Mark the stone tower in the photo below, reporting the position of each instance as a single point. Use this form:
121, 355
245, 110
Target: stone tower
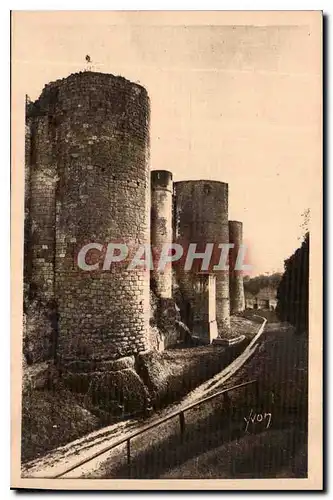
237, 297
89, 183
201, 217
161, 228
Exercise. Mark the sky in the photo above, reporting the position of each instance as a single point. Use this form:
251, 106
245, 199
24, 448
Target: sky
230, 101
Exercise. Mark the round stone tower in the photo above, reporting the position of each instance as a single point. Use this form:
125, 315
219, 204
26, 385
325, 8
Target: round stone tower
201, 217
236, 285
161, 228
93, 130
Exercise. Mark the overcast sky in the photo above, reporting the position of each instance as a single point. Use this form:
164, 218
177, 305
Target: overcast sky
234, 103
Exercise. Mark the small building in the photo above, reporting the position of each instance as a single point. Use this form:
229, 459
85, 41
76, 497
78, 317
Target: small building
264, 299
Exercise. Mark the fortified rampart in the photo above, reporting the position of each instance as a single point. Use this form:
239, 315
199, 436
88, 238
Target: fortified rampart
88, 181
201, 217
161, 228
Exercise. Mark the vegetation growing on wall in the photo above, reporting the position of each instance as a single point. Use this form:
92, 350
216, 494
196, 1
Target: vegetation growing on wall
254, 285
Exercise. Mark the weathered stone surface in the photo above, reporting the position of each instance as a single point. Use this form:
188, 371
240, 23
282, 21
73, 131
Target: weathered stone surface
163, 330
156, 338
201, 217
229, 342
39, 376
87, 366
87, 154
171, 374
38, 332
79, 382
236, 285
161, 229
155, 372
184, 333
121, 392
88, 181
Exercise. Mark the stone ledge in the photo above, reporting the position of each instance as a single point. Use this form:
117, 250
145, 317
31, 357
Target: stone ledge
229, 342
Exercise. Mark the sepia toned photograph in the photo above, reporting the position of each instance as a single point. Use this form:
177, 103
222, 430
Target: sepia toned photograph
166, 245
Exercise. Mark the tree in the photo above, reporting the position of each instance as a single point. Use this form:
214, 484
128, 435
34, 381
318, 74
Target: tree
293, 291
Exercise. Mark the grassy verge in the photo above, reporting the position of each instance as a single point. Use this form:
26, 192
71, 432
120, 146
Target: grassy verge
50, 419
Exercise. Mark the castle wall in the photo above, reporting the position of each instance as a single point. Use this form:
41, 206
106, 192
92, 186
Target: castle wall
88, 181
93, 129
237, 297
39, 332
161, 229
201, 216
204, 310
43, 185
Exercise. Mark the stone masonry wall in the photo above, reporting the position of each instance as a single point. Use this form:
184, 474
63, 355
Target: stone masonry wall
237, 297
201, 216
39, 329
92, 138
43, 183
27, 200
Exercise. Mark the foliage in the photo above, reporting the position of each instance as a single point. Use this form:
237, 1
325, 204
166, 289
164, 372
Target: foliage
293, 291
254, 285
